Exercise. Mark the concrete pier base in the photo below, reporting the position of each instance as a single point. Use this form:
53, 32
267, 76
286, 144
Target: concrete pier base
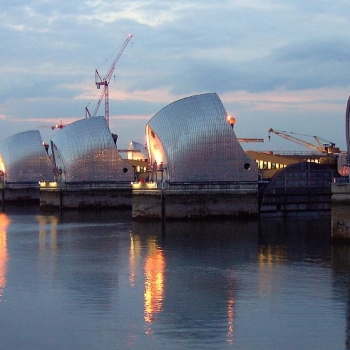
18, 194
341, 211
341, 193
188, 201
341, 222
87, 196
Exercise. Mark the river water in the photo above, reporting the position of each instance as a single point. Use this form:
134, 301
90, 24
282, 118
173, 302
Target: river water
98, 280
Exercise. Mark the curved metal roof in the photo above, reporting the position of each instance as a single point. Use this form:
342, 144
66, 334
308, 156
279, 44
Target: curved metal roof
138, 151
347, 125
24, 158
195, 142
85, 151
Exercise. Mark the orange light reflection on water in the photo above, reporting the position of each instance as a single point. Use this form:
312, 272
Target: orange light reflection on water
4, 222
230, 318
269, 258
154, 282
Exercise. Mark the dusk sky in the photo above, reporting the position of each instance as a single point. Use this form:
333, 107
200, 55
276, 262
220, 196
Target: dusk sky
274, 64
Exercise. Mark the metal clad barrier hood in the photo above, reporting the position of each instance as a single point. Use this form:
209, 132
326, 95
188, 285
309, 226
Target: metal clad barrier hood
195, 142
85, 151
24, 159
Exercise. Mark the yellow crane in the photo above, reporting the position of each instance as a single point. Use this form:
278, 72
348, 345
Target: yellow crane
328, 148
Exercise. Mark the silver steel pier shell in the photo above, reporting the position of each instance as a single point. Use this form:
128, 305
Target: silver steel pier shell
195, 142
199, 168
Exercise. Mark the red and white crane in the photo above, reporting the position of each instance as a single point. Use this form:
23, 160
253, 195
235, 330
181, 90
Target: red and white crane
59, 125
104, 82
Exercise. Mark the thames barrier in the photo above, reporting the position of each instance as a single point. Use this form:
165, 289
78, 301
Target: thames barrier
192, 166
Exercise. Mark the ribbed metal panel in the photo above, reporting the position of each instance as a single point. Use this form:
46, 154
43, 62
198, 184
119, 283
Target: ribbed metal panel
347, 127
85, 151
194, 140
25, 159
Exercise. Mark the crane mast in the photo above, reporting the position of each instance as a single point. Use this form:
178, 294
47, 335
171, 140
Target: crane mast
104, 82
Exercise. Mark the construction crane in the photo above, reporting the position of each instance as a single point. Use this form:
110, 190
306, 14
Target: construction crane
105, 82
59, 125
247, 139
321, 147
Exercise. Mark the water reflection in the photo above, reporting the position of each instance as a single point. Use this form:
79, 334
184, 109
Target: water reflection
230, 314
82, 244
92, 281
199, 266
294, 239
341, 271
47, 230
4, 223
154, 275
190, 285
154, 281
134, 259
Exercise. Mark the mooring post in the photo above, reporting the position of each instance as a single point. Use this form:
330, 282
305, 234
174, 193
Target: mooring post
162, 196
162, 205
61, 199
2, 197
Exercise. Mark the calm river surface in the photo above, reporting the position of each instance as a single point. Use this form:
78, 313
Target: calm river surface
87, 280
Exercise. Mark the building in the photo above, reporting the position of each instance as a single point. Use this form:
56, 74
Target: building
90, 172
198, 167
194, 142
84, 151
24, 159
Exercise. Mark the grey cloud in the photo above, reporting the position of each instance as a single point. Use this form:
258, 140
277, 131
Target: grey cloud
211, 46
298, 66
330, 50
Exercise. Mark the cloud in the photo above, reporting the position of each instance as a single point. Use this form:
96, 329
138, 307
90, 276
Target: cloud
268, 60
